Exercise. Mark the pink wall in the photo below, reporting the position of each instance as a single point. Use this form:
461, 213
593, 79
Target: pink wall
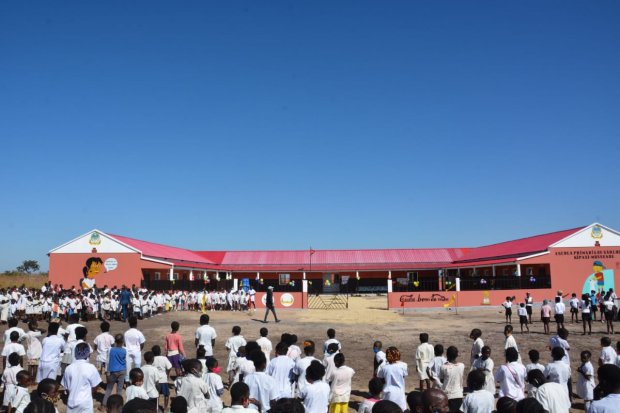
284, 300
444, 299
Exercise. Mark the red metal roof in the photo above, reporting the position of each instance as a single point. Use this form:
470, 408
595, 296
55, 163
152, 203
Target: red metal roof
517, 248
371, 259
163, 252
340, 257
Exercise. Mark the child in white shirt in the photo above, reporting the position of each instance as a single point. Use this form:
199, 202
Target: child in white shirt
9, 378
263, 388
434, 367
379, 357
534, 356
585, 379
21, 398
281, 368
103, 342
215, 385
375, 385
485, 365
340, 380
136, 391
79, 380
233, 344
13, 347
315, 395
151, 377
478, 400
163, 366
265, 343
423, 356
192, 387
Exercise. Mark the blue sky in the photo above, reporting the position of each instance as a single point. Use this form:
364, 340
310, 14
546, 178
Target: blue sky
279, 125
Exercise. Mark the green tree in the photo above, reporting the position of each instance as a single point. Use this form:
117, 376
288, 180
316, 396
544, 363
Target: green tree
28, 266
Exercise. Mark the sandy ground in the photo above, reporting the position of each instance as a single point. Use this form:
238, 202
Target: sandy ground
365, 321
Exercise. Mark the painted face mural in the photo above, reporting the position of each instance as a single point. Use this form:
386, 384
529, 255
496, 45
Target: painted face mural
601, 279
93, 267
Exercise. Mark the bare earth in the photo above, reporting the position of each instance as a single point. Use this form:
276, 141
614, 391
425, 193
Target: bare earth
365, 321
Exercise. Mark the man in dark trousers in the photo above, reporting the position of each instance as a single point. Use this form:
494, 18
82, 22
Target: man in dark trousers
125, 300
269, 304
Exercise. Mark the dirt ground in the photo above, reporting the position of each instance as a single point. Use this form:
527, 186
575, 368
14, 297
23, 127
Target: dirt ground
365, 321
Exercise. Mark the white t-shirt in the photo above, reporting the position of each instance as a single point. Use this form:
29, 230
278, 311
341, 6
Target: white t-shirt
316, 397
476, 349
557, 341
52, 349
262, 388
79, 379
215, 385
265, 346
451, 376
330, 341
280, 369
104, 342
300, 370
553, 397
20, 399
7, 334
558, 372
341, 384
423, 355
13, 348
394, 389
71, 330
608, 355
205, 334
163, 365
511, 378
135, 392
151, 379
193, 389
480, 401
487, 368
34, 345
133, 340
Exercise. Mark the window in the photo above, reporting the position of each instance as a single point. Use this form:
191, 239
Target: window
175, 276
412, 276
285, 279
157, 276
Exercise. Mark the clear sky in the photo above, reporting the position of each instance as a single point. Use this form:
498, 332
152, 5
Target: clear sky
280, 125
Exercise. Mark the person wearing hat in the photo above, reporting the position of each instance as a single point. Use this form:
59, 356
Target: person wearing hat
269, 305
608, 390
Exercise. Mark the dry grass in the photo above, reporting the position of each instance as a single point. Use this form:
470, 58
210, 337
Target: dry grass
30, 281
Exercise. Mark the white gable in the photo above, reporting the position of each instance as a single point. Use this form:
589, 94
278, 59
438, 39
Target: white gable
589, 236
84, 244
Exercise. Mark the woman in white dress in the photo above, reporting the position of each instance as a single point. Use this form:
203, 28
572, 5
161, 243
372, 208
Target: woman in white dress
394, 373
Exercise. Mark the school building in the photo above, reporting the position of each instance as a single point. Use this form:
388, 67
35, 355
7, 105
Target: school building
575, 260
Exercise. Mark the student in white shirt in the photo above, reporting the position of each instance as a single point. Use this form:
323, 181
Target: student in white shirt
609, 386
574, 308
233, 344
263, 388
240, 399
151, 377
423, 356
265, 343
331, 338
485, 364
476, 347
280, 368
375, 386
379, 357
340, 380
559, 308
51, 350
9, 378
393, 373
552, 396
205, 335
163, 366
315, 394
13, 347
434, 367
451, 375
478, 400
608, 354
511, 376
215, 385
79, 380
302, 364
20, 399
6, 338
585, 379
103, 342
136, 390
134, 343
557, 371
534, 364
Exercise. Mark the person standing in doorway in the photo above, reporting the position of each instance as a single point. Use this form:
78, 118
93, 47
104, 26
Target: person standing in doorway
269, 305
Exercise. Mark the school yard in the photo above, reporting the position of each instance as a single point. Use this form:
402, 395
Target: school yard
365, 321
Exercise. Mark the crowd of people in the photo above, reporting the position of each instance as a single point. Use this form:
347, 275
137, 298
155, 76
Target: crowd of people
69, 364
55, 302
